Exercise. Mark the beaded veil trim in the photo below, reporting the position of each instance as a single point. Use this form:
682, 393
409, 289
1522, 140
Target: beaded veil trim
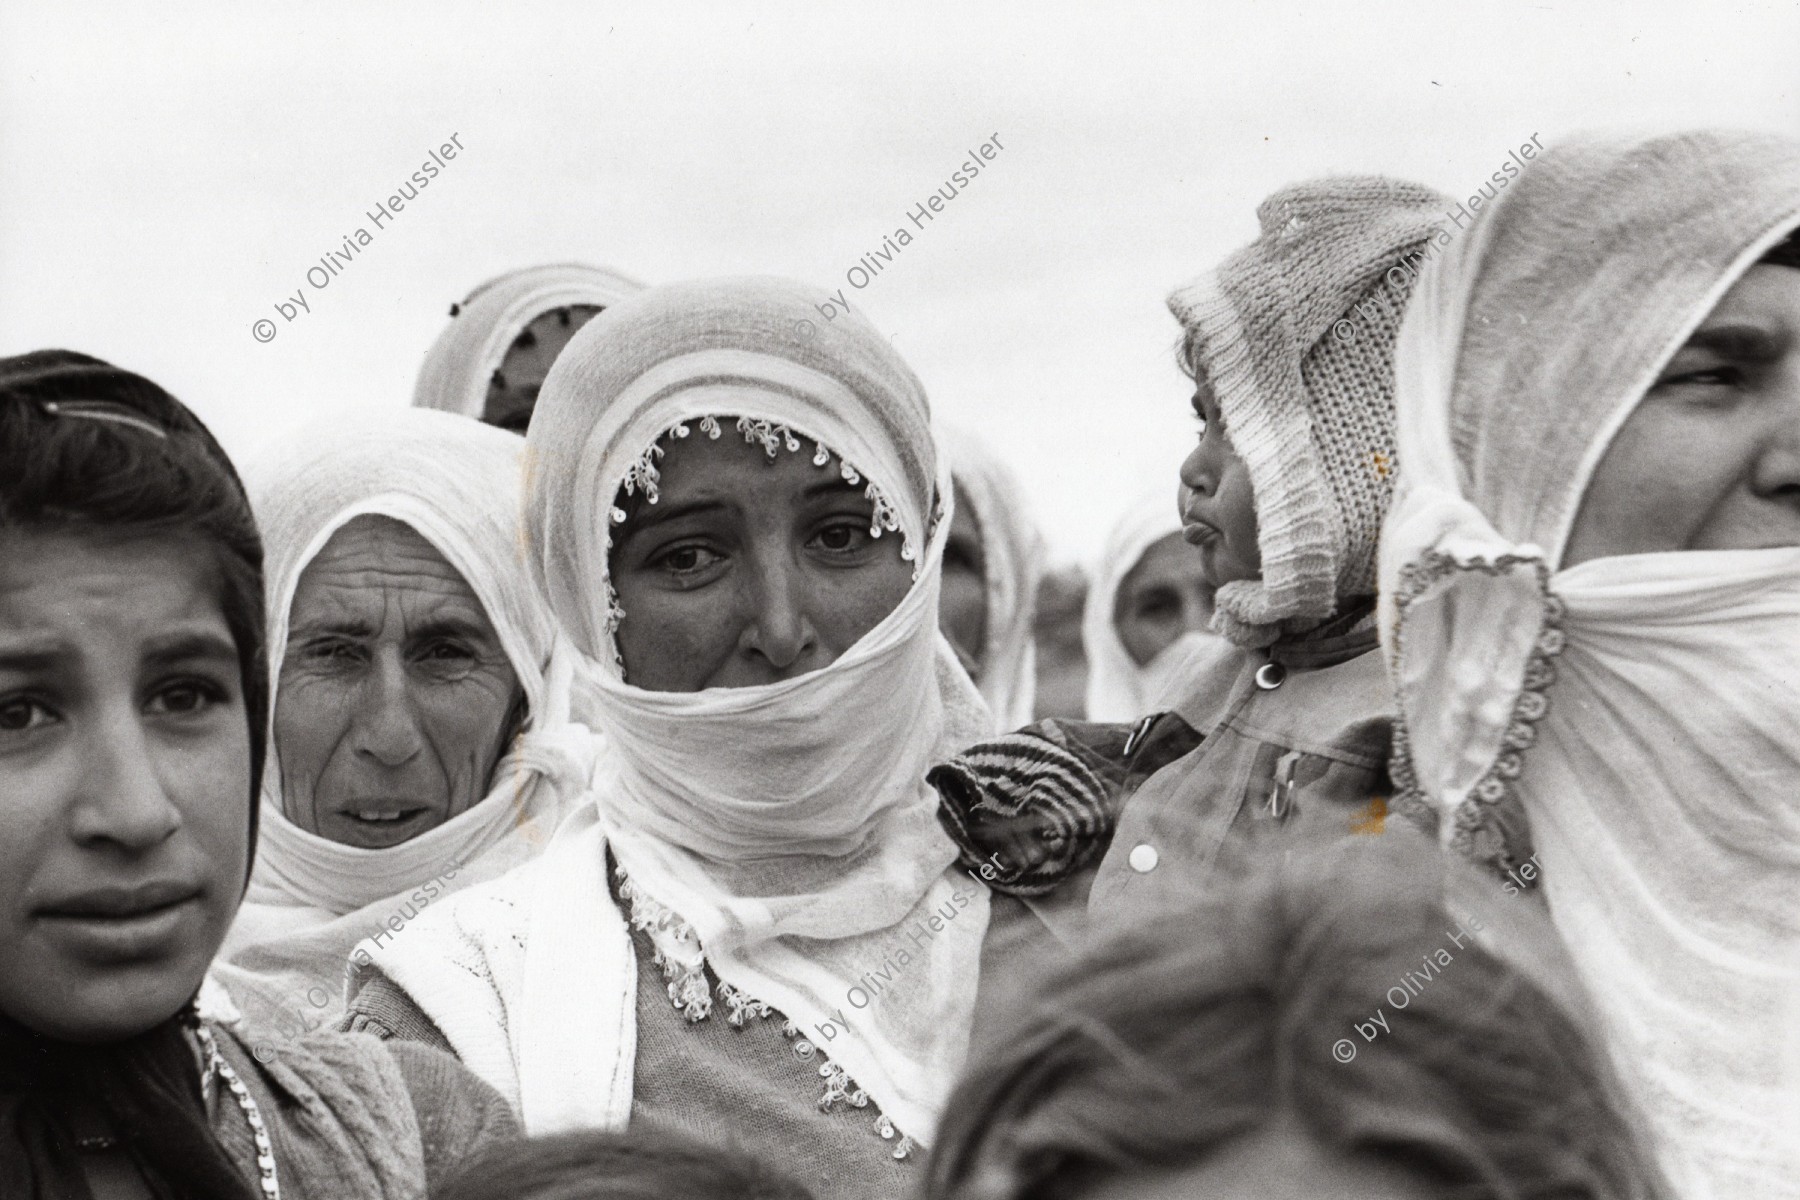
1489, 825
675, 947
644, 478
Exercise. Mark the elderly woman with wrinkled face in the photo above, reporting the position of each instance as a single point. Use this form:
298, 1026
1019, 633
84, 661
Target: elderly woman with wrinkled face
132, 704
759, 924
414, 748
395, 698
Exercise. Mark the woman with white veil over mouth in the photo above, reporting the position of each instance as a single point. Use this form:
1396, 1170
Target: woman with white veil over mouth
1590, 584
739, 518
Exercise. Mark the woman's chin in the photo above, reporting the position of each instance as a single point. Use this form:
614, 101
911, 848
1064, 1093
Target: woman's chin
87, 1007
92, 1020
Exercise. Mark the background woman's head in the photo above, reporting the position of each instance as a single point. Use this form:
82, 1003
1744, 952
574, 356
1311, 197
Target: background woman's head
409, 647
491, 360
963, 605
132, 697
1235, 1048
1165, 595
993, 563
1148, 609
729, 493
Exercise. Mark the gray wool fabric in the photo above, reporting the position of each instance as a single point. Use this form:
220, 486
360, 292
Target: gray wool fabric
1295, 335
351, 1118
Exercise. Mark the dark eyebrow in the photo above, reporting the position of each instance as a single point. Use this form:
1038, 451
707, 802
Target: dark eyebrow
348, 627
835, 484
1745, 343
29, 658
649, 516
446, 627
186, 647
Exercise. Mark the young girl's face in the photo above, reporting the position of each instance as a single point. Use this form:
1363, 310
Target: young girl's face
748, 569
1219, 509
124, 782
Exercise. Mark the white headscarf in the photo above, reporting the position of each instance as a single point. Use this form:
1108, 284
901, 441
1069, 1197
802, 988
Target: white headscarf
1118, 689
1641, 711
1012, 557
458, 484
787, 826
456, 372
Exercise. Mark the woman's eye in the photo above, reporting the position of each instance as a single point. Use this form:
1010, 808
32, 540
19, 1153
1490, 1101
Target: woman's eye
1715, 376
187, 697
330, 652
686, 560
447, 661
843, 537
20, 714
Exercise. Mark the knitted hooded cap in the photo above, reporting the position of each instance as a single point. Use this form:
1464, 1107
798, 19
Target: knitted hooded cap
1295, 335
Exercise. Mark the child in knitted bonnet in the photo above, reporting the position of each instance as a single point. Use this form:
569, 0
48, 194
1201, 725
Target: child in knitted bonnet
1289, 343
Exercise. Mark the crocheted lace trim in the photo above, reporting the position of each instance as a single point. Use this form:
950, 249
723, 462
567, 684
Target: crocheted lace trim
644, 477
675, 947
1479, 832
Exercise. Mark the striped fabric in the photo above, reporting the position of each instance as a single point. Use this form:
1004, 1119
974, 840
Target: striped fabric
1029, 810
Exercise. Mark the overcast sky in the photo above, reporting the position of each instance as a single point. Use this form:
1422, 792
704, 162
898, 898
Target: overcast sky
169, 171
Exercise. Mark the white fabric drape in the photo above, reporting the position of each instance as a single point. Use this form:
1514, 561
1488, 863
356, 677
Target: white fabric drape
1641, 711
788, 825
458, 484
1012, 553
455, 374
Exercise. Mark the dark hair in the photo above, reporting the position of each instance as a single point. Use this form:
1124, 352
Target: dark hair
89, 449
1154, 1051
640, 1165
1785, 253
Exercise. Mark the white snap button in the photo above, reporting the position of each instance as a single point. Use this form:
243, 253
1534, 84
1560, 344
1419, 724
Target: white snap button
1270, 675
1143, 858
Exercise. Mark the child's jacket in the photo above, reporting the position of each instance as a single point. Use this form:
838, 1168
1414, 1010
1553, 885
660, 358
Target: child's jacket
1296, 748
